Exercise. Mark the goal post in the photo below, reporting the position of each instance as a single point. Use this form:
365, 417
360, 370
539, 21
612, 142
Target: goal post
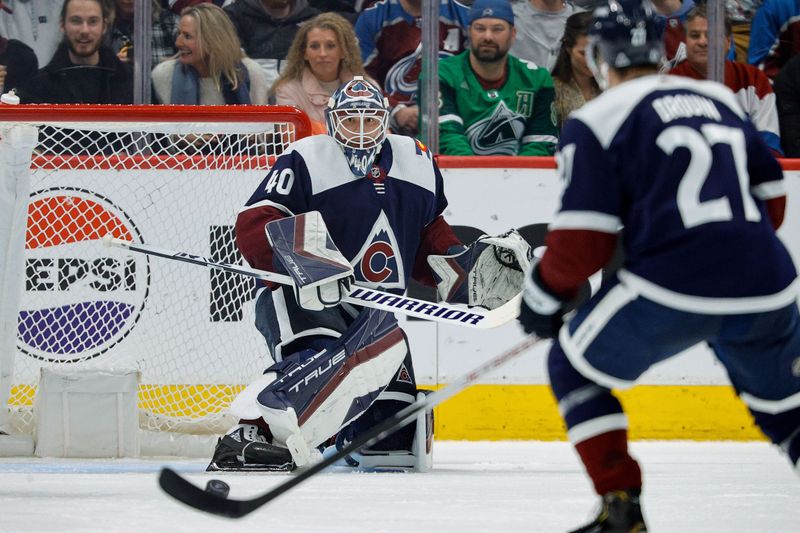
172, 175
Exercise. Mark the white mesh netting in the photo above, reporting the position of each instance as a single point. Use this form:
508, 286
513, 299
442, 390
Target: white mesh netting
174, 184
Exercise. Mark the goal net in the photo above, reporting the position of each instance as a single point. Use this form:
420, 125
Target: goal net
173, 176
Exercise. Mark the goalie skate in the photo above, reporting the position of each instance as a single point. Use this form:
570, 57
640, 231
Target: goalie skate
245, 449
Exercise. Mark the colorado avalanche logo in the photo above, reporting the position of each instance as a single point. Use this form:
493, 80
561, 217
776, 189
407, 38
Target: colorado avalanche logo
402, 77
497, 134
80, 298
379, 263
358, 89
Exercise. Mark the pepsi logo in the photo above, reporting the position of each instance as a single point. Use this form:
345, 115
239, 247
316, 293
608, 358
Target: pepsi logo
80, 298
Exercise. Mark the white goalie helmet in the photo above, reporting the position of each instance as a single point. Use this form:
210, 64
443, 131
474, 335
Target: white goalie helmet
357, 117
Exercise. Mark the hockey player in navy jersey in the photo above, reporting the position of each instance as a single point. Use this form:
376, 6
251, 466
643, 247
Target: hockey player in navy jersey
674, 170
357, 205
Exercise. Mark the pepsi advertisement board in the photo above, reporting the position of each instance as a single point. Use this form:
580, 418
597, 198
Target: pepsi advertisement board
86, 303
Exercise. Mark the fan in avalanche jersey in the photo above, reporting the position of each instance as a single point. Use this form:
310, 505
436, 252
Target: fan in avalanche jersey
750, 85
355, 204
677, 166
390, 37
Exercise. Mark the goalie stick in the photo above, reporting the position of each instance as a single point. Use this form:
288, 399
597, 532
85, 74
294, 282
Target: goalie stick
185, 491
473, 317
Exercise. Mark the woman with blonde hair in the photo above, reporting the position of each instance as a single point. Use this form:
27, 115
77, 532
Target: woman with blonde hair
323, 55
210, 67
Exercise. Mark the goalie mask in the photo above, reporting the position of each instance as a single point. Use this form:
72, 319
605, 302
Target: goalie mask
624, 33
358, 118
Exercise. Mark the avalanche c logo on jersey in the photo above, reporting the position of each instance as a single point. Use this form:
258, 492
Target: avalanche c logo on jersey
81, 298
403, 375
378, 263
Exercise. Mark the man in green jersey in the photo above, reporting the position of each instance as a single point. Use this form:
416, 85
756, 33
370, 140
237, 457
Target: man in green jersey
490, 102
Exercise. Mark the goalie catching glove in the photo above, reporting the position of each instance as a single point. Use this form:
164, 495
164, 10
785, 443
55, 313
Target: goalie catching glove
488, 273
303, 248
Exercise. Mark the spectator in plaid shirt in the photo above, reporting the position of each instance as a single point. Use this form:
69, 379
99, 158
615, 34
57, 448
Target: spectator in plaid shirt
164, 32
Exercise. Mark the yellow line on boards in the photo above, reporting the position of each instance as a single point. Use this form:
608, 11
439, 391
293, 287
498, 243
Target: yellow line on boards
507, 412
663, 412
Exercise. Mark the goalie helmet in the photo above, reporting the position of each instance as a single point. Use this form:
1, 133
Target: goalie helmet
624, 33
357, 117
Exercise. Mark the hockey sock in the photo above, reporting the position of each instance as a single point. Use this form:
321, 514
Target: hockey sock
608, 463
597, 426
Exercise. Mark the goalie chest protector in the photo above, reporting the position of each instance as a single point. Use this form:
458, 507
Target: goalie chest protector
375, 221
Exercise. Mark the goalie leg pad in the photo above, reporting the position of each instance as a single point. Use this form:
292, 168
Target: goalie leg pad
411, 450
314, 398
409, 447
400, 392
245, 405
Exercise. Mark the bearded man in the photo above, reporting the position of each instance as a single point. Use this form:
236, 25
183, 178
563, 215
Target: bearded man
490, 102
83, 70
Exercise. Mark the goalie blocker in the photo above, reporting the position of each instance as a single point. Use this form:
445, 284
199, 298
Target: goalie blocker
322, 276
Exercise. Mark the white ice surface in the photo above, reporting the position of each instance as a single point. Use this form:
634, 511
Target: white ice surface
474, 487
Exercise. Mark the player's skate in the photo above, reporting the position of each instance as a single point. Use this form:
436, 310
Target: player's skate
620, 512
246, 448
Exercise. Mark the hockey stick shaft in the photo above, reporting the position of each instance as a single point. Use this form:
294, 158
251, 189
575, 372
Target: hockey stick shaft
188, 493
474, 318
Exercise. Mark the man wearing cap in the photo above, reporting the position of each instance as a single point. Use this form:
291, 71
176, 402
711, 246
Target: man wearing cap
490, 102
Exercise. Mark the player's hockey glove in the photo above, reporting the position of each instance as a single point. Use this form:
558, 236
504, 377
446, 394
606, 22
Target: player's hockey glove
489, 272
303, 248
541, 311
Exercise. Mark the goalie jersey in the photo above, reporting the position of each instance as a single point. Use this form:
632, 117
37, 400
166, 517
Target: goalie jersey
385, 224
655, 160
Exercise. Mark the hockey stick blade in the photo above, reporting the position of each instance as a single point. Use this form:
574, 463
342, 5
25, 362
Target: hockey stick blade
185, 491
472, 317
192, 495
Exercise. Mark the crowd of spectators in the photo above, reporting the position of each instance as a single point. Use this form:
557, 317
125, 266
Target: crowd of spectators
510, 72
